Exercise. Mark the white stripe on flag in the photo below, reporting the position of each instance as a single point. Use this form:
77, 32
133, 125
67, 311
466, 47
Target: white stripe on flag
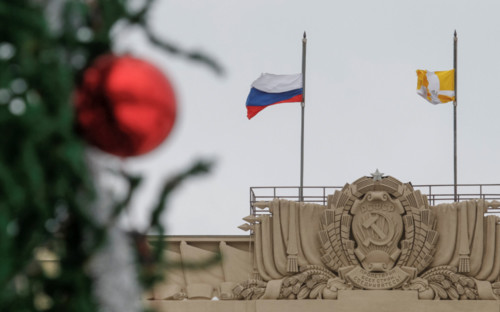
272, 83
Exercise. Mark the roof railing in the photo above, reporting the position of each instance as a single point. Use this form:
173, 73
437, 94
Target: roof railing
436, 194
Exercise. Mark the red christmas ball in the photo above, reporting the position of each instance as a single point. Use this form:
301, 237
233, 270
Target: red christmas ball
124, 106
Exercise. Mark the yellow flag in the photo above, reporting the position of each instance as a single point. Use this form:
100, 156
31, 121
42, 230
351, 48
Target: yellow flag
436, 87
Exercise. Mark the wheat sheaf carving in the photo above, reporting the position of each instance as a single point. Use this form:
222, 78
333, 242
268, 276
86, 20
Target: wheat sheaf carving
335, 228
421, 238
313, 282
444, 282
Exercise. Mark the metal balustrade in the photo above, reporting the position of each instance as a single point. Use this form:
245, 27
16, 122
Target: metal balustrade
436, 194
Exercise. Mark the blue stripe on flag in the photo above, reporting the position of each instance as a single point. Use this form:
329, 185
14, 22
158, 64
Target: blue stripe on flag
260, 98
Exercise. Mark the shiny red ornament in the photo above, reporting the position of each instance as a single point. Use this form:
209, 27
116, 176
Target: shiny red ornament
124, 106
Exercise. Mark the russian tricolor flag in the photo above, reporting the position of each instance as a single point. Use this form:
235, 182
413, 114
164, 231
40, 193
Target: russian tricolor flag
270, 89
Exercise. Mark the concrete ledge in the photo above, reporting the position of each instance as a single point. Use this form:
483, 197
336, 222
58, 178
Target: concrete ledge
359, 301
203, 306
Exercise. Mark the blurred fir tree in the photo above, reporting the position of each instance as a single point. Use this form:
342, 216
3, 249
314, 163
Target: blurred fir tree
46, 190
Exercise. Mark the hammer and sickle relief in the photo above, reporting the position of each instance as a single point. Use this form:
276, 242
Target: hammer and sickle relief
382, 228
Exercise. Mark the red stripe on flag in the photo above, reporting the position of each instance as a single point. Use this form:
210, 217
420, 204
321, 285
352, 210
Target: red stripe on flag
254, 110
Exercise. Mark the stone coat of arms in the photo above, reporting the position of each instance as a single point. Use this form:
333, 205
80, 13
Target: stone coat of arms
376, 233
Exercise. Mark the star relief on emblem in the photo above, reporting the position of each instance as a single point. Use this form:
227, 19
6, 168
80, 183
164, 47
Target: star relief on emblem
377, 175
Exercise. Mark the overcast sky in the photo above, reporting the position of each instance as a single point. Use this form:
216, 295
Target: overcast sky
362, 110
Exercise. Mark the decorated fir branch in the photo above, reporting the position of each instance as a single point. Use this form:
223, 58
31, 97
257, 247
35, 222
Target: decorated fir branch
51, 51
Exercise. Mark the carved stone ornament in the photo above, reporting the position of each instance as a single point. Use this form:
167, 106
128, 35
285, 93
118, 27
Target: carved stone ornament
375, 234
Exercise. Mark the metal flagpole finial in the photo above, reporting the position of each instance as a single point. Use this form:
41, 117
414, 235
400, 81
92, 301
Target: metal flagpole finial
304, 39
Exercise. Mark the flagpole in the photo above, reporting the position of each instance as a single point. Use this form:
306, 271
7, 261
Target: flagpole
455, 40
303, 105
